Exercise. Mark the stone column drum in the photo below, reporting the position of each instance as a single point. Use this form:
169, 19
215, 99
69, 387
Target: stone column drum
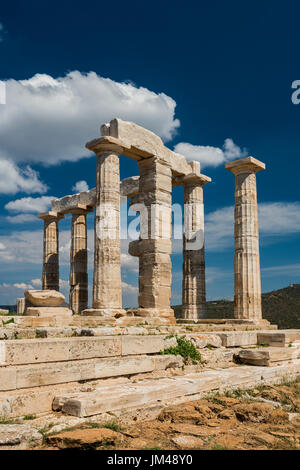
79, 261
193, 282
247, 280
107, 287
50, 276
154, 247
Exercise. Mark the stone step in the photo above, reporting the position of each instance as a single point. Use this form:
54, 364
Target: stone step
268, 356
37, 375
238, 338
279, 338
32, 351
187, 387
124, 396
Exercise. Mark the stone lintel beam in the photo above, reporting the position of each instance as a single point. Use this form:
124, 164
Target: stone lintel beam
244, 165
128, 188
78, 209
140, 143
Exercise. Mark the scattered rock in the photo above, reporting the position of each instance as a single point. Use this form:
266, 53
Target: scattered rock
85, 438
187, 442
259, 413
44, 298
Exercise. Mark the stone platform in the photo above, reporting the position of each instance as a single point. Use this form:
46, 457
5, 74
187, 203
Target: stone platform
42, 360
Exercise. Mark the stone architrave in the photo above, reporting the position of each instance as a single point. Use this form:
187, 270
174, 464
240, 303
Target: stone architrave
107, 286
193, 281
50, 276
247, 279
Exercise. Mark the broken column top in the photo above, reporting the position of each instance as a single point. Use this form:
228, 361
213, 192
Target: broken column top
50, 215
140, 143
243, 165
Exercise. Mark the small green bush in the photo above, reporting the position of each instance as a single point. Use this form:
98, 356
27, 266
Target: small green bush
185, 349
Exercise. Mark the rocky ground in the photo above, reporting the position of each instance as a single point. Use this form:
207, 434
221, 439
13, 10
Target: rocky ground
263, 418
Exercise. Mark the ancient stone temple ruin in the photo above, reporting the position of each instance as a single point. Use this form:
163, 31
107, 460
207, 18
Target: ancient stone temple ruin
150, 194
67, 363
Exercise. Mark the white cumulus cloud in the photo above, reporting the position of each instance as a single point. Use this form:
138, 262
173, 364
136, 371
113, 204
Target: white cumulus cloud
80, 186
14, 179
48, 120
30, 204
211, 156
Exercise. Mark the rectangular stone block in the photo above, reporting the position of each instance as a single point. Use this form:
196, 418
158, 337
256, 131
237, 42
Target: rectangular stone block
267, 356
278, 338
142, 344
238, 338
59, 349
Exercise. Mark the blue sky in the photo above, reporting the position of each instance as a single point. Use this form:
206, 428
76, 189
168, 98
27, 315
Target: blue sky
213, 79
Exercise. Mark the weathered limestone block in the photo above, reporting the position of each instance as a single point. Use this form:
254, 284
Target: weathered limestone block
48, 312
59, 349
3, 311
238, 338
44, 298
142, 344
204, 340
278, 338
267, 356
37, 375
21, 306
16, 434
247, 285
140, 143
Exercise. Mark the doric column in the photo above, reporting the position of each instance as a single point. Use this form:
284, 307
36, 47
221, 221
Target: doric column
50, 277
107, 287
247, 282
79, 260
154, 247
193, 282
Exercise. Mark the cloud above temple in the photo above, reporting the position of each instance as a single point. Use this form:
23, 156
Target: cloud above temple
30, 204
80, 186
14, 179
211, 156
48, 120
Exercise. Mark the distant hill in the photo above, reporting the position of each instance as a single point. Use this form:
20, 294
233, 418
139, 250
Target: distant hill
11, 308
280, 307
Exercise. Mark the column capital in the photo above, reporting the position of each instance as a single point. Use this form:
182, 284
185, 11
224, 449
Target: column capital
105, 144
193, 179
245, 165
78, 209
51, 215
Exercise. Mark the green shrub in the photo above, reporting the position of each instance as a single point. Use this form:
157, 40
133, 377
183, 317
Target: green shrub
185, 349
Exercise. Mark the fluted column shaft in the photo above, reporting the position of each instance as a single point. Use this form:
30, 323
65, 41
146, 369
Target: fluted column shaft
78, 263
50, 275
193, 282
107, 289
247, 278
